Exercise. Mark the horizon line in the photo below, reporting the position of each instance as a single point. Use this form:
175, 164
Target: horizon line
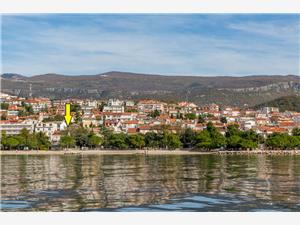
146, 74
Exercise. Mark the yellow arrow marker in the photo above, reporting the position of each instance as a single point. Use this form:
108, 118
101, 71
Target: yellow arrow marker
68, 116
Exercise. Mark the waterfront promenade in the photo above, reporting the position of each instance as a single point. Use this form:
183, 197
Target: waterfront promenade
143, 152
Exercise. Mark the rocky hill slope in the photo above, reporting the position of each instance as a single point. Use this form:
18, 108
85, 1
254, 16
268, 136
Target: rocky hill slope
223, 90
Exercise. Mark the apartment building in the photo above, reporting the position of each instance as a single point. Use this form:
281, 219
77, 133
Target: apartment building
15, 127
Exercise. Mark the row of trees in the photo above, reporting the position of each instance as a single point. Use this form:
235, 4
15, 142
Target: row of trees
208, 139
211, 138
25, 140
284, 141
80, 137
236, 139
165, 140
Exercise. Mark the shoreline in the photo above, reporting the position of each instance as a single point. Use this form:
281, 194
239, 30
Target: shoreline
146, 152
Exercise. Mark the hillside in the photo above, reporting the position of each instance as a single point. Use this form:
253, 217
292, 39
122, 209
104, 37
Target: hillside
290, 103
223, 90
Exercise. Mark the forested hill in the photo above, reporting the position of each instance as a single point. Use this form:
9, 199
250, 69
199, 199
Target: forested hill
290, 103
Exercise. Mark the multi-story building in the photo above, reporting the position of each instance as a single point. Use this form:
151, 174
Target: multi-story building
268, 110
14, 128
147, 106
38, 104
49, 128
114, 105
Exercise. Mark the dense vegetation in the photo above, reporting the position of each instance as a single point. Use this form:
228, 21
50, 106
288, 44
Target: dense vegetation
284, 141
208, 139
26, 111
290, 103
4, 106
25, 140
80, 137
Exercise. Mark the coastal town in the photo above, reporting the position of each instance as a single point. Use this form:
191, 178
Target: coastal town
138, 118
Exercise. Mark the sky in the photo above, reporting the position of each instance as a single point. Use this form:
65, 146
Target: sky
167, 44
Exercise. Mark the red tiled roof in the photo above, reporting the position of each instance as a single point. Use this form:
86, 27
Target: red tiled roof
132, 130
8, 121
144, 127
149, 102
286, 124
130, 122
272, 129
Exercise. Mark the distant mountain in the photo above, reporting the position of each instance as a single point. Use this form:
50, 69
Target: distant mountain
223, 90
13, 76
290, 103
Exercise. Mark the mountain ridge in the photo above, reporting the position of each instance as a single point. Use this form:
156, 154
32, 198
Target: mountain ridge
224, 90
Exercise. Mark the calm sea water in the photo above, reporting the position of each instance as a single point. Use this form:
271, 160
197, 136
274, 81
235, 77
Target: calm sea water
150, 183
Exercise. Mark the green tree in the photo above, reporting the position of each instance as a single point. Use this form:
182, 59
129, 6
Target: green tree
67, 141
3, 139
154, 113
293, 142
223, 119
209, 115
251, 135
210, 138
29, 109
277, 141
4, 105
201, 119
218, 140
118, 141
253, 139
22, 113
248, 144
32, 142
203, 140
21, 141
26, 111
77, 117
296, 131
187, 137
12, 143
43, 142
106, 133
81, 136
94, 140
234, 141
75, 108
232, 129
237, 139
136, 141
26, 136
190, 116
152, 140
170, 141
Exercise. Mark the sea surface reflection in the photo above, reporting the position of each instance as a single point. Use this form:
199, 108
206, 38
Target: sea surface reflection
150, 183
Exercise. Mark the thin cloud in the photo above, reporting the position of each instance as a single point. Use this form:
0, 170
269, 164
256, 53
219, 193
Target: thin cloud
286, 32
168, 44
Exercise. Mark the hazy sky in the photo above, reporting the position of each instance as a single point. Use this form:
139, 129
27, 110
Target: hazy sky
190, 44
